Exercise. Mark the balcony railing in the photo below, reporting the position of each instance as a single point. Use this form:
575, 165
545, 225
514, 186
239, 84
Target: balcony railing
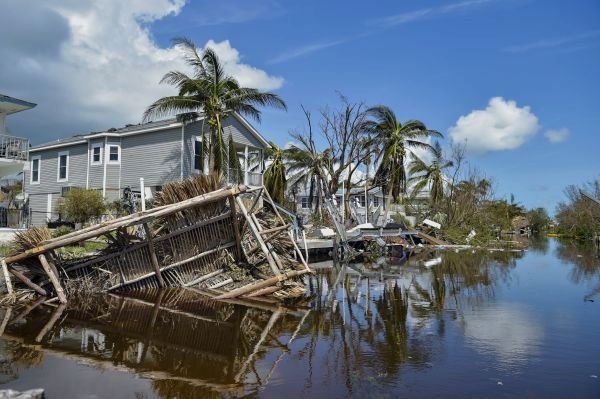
12, 147
254, 178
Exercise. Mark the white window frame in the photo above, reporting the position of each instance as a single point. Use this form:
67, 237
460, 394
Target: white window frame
304, 205
94, 146
197, 139
61, 154
39, 159
108, 161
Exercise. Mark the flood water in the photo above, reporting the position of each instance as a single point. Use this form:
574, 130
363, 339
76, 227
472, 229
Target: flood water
446, 324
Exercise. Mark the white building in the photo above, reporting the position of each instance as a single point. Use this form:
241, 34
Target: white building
13, 149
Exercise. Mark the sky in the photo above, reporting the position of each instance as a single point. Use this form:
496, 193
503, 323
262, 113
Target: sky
516, 80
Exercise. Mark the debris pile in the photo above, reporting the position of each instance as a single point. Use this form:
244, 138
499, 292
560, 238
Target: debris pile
225, 241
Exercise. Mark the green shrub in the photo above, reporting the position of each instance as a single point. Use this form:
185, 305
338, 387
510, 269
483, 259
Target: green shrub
81, 206
61, 231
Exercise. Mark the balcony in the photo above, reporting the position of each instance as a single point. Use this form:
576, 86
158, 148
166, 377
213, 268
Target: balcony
13, 148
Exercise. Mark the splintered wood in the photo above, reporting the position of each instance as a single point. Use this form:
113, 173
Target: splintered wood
199, 242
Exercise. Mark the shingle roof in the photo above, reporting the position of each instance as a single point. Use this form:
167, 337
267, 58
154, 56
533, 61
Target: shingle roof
125, 129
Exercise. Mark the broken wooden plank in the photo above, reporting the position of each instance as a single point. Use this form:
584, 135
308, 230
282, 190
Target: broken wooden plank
247, 289
258, 237
28, 282
53, 278
125, 222
153, 257
6, 276
205, 277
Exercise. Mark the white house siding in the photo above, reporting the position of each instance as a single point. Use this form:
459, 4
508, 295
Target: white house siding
38, 193
96, 174
231, 126
191, 130
241, 134
155, 156
113, 172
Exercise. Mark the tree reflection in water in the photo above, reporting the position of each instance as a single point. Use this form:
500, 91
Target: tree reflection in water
362, 324
585, 261
377, 322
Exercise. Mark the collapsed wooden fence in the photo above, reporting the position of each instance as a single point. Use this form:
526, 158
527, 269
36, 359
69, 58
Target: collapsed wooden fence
194, 252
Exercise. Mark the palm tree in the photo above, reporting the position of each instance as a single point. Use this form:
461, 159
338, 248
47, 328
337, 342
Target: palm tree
307, 167
210, 91
235, 168
392, 139
275, 179
432, 175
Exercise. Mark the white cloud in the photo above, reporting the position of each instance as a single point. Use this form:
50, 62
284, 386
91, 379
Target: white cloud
557, 135
416, 15
304, 50
98, 66
503, 125
550, 43
509, 332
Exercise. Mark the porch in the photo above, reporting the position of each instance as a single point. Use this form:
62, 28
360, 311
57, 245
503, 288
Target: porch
252, 166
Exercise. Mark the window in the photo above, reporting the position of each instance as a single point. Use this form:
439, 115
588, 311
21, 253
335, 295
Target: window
114, 153
35, 169
304, 202
198, 158
376, 200
97, 154
360, 201
63, 166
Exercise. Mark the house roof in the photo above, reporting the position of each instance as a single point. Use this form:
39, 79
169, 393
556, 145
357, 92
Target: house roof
10, 105
136, 129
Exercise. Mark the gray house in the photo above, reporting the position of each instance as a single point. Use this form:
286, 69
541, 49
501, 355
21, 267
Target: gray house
109, 161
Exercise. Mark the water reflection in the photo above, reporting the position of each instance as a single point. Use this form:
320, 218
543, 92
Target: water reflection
364, 330
188, 345
585, 261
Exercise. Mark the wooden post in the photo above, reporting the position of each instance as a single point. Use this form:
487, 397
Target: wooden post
53, 279
304, 262
28, 282
261, 284
258, 238
269, 246
236, 227
9, 288
153, 257
5, 319
55, 316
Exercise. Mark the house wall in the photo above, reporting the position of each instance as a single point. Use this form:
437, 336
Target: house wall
96, 172
156, 156
231, 126
44, 196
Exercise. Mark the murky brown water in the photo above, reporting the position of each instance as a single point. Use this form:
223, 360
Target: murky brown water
440, 325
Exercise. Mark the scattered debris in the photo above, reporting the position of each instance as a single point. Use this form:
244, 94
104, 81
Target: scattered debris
198, 234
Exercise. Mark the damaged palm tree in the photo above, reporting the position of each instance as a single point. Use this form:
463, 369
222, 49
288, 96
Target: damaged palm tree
201, 235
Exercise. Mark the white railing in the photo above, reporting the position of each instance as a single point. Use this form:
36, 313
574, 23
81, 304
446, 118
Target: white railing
12, 147
254, 179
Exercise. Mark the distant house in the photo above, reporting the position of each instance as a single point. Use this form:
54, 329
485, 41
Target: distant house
373, 203
109, 161
357, 198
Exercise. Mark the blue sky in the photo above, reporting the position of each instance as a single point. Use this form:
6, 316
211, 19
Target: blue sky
436, 61
430, 60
